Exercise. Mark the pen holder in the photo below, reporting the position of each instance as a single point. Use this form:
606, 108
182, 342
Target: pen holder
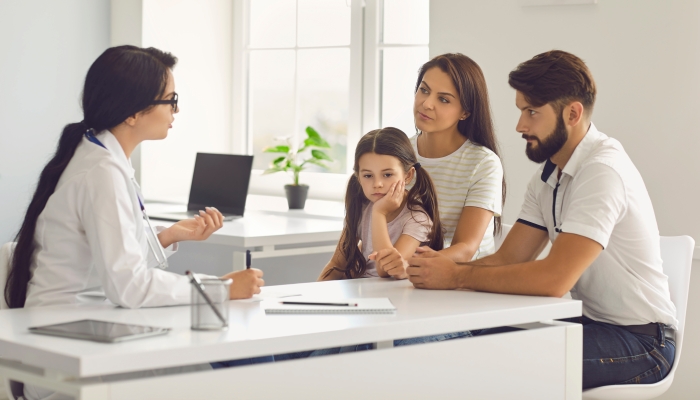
204, 318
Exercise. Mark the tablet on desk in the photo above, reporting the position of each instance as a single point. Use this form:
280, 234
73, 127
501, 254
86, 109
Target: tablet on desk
99, 331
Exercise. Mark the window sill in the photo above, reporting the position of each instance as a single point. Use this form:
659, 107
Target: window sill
322, 186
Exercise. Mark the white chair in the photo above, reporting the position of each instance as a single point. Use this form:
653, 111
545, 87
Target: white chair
677, 256
5, 254
15, 390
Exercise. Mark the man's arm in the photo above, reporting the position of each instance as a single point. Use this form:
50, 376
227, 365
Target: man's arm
571, 254
523, 243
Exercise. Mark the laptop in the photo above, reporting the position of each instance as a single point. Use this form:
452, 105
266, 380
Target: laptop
219, 180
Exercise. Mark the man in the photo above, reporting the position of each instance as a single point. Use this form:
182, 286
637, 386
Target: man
590, 201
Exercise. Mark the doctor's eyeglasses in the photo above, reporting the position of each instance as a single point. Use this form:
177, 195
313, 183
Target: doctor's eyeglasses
172, 102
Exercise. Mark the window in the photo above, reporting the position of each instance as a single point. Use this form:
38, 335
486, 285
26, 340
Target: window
344, 67
402, 48
298, 75
251, 71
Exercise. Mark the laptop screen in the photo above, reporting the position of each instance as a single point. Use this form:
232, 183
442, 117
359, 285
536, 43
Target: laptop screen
221, 181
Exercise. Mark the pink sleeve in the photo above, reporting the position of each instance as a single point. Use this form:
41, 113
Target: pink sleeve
417, 225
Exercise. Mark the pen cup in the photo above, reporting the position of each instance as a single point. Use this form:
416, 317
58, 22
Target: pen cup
204, 318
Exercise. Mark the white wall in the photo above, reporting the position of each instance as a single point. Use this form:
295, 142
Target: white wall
46, 49
645, 57
200, 34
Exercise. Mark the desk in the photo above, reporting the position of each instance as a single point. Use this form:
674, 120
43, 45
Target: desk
541, 362
268, 229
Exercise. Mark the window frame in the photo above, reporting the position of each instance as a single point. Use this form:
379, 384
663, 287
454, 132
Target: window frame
364, 103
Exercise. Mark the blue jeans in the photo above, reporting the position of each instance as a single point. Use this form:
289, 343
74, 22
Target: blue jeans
368, 346
615, 356
322, 352
245, 361
434, 338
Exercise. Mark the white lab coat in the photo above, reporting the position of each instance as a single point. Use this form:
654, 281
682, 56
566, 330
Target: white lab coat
91, 244
91, 241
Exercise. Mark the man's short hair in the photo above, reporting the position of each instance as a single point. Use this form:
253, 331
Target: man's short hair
555, 77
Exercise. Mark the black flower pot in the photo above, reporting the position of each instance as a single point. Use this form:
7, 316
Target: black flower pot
296, 196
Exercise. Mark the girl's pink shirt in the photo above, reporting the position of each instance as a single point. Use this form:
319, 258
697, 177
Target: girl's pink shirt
416, 224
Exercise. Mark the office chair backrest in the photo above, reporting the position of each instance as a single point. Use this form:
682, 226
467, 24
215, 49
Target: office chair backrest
5, 255
15, 390
677, 256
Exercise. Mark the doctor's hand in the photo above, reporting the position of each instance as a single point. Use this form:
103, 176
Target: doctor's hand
245, 284
429, 269
391, 262
198, 228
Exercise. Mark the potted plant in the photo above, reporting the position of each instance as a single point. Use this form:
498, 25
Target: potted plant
292, 160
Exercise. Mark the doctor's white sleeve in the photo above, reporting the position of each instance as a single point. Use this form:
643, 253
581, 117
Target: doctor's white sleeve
110, 226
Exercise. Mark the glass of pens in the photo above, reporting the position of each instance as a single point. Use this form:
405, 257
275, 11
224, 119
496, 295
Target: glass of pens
209, 303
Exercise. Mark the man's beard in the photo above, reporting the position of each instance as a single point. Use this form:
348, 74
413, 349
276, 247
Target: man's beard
550, 146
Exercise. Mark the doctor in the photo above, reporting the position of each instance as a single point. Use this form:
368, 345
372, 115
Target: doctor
85, 237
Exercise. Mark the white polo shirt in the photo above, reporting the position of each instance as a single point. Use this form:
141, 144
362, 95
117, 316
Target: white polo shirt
602, 196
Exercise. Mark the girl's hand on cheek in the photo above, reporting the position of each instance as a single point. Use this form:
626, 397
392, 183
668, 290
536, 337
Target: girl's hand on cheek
392, 200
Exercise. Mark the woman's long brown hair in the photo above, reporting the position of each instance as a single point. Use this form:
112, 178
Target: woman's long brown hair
422, 196
474, 97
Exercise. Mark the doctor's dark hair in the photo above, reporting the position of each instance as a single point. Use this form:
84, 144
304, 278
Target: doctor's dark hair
470, 83
392, 142
122, 82
556, 78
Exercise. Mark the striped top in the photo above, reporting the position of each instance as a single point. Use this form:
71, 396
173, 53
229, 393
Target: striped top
470, 177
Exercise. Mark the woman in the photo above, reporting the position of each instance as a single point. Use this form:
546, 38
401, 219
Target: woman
456, 144
85, 237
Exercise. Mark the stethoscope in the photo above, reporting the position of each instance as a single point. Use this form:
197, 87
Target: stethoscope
151, 236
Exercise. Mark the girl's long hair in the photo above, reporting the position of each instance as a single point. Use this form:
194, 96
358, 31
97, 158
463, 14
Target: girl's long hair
422, 196
122, 82
474, 97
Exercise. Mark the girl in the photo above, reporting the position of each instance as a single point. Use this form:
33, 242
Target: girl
380, 213
85, 237
457, 145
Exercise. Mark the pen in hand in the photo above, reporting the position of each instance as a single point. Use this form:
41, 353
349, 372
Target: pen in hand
247, 259
200, 288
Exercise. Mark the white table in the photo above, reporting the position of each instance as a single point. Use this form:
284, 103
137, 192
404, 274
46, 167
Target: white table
541, 362
269, 229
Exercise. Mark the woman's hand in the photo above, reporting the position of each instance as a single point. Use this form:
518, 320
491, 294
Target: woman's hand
245, 284
198, 228
391, 262
392, 200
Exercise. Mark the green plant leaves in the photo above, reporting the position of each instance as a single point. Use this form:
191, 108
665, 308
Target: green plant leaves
288, 162
273, 170
320, 155
314, 139
278, 160
277, 149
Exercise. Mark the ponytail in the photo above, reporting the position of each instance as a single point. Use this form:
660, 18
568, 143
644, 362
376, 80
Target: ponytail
18, 278
421, 198
122, 82
423, 194
355, 200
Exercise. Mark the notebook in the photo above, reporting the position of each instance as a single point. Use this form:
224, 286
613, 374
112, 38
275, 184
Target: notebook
377, 305
218, 180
